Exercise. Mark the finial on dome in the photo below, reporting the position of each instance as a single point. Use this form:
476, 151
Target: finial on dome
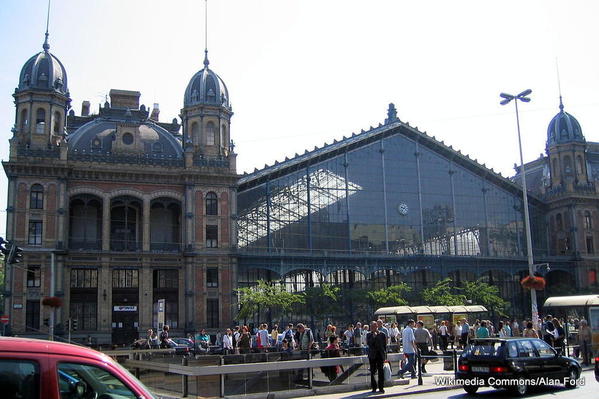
206, 62
561, 104
46, 45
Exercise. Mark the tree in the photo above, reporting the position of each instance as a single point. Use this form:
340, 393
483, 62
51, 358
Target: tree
481, 293
321, 300
269, 296
389, 296
443, 294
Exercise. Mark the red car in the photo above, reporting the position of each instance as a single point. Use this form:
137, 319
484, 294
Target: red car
38, 369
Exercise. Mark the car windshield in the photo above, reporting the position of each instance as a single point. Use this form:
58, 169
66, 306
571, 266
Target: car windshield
485, 349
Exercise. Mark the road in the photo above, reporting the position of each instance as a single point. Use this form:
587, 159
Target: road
590, 389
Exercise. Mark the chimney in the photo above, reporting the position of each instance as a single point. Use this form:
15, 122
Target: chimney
124, 99
85, 108
155, 112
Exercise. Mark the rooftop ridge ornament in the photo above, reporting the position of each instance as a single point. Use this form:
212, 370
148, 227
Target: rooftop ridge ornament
391, 114
46, 45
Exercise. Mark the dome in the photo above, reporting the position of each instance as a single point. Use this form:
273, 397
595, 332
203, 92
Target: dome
206, 88
44, 71
564, 128
97, 137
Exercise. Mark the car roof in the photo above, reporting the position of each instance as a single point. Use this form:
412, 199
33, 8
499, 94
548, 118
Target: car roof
495, 339
31, 345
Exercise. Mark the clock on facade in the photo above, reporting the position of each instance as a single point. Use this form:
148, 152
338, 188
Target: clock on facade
402, 209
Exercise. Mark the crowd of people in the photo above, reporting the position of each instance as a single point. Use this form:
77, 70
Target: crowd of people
377, 338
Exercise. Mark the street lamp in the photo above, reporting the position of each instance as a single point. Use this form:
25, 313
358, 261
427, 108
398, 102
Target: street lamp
506, 98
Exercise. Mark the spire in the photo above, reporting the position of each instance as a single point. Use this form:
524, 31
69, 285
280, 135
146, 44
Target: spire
46, 45
206, 62
561, 104
559, 87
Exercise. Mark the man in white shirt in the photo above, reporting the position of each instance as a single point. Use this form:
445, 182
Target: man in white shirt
409, 349
444, 334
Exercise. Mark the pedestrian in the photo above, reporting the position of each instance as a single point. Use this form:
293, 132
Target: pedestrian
262, 338
482, 331
348, 337
560, 335
508, 330
464, 333
409, 349
585, 342
529, 331
304, 339
236, 333
357, 338
245, 341
547, 329
164, 337
149, 335
423, 340
382, 328
377, 352
394, 336
443, 335
288, 336
515, 328
228, 342
457, 334
274, 334
332, 350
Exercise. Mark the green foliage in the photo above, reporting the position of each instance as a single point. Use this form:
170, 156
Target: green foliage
321, 298
268, 296
443, 294
481, 293
390, 296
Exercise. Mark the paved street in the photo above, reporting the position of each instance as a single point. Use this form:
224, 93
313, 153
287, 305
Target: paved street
588, 390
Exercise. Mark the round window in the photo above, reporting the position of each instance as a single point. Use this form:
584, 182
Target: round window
127, 138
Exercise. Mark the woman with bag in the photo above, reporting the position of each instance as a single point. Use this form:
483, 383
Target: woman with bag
332, 350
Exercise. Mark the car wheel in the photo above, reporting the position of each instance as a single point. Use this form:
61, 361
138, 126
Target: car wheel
520, 389
471, 389
570, 380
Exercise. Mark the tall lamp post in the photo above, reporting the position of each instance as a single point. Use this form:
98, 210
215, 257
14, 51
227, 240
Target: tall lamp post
506, 99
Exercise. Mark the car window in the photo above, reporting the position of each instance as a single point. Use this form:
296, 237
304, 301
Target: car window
512, 349
486, 349
543, 348
19, 379
525, 349
83, 381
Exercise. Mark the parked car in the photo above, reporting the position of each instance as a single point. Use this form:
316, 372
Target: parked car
516, 364
180, 341
32, 368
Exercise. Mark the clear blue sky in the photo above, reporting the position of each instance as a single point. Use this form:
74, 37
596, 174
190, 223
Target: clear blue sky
301, 73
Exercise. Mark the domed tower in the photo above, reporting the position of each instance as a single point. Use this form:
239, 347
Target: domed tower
206, 114
42, 100
566, 147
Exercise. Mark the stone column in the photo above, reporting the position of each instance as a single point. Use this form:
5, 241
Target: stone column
105, 224
189, 205
61, 211
146, 225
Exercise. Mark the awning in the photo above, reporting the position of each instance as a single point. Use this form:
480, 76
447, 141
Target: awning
574, 300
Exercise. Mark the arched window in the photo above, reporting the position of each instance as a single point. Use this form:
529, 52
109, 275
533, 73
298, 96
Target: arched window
36, 197
210, 133
211, 204
40, 120
588, 222
57, 120
23, 123
567, 165
579, 165
195, 133
559, 224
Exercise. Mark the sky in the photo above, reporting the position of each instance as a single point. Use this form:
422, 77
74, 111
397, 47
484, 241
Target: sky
302, 73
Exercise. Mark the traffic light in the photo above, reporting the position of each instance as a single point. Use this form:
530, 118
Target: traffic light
74, 324
4, 247
15, 254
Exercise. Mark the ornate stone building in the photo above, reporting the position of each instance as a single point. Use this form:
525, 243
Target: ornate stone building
117, 210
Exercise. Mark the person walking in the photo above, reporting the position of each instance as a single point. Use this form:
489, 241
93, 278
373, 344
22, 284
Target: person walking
228, 342
457, 334
164, 337
482, 331
443, 335
332, 350
464, 333
409, 349
245, 341
560, 335
529, 331
585, 342
423, 340
377, 352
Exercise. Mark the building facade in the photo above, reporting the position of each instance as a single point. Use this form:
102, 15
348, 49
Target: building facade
117, 210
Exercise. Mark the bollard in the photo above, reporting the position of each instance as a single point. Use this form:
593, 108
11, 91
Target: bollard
222, 378
310, 385
418, 364
137, 372
455, 363
184, 379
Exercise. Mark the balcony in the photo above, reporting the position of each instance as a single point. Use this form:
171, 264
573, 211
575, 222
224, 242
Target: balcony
88, 245
165, 247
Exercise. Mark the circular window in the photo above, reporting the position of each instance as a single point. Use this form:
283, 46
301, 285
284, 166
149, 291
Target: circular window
127, 138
